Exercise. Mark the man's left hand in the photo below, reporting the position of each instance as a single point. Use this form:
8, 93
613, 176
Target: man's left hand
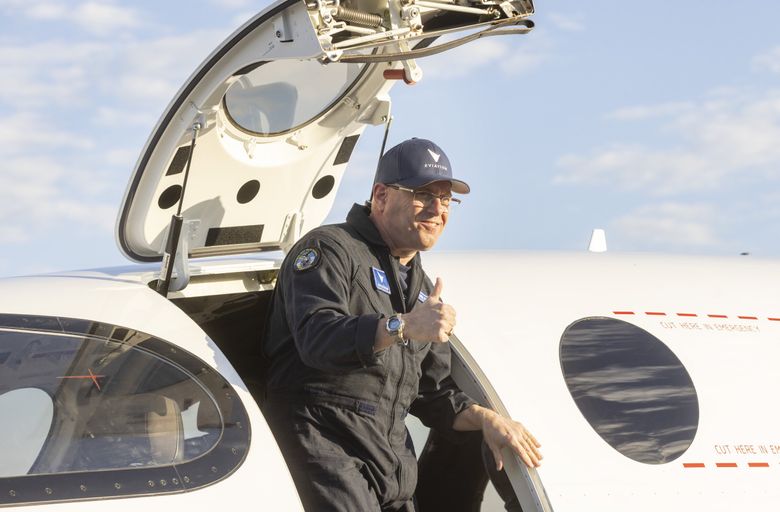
499, 432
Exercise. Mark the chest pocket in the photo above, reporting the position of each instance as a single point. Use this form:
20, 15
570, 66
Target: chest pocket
365, 297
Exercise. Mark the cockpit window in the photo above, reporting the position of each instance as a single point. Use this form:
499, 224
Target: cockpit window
104, 400
282, 95
632, 389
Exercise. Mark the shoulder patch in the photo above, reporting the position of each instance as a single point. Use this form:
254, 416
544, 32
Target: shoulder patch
307, 259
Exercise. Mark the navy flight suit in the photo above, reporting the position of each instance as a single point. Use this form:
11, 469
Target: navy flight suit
336, 408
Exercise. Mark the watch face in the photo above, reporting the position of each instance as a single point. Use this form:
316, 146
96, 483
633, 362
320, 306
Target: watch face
394, 324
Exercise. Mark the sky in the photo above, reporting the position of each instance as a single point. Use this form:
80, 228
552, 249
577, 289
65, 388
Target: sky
661, 127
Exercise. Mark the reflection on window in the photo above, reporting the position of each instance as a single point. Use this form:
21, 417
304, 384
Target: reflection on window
83, 404
27, 415
281, 95
631, 388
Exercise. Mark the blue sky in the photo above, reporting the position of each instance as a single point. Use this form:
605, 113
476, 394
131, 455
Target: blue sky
662, 127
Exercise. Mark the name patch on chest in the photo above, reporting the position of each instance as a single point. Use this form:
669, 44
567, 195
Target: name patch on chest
380, 280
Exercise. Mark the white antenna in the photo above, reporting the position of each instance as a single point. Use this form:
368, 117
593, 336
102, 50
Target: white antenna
598, 241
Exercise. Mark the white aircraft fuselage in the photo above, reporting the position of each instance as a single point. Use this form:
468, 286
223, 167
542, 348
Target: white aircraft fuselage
647, 379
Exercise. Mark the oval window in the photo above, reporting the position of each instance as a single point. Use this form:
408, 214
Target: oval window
128, 412
281, 95
632, 389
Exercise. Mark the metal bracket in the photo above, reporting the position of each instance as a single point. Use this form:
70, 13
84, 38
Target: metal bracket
181, 267
282, 28
291, 230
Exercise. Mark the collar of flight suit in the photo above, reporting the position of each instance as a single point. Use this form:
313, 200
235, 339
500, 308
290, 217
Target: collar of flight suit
358, 218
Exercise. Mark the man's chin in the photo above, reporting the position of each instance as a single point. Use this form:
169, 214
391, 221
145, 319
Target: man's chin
427, 241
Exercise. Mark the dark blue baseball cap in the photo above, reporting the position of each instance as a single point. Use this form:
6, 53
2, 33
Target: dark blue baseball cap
415, 163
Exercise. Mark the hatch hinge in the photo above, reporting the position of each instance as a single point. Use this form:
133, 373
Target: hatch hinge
377, 112
348, 28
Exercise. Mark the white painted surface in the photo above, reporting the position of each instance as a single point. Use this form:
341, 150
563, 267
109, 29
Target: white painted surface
263, 478
513, 309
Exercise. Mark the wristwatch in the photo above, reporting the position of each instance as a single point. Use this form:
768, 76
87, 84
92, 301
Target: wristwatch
395, 327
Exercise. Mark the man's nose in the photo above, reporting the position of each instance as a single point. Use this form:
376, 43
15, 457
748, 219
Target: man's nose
435, 205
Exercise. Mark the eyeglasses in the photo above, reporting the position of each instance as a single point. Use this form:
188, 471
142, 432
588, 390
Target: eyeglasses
425, 199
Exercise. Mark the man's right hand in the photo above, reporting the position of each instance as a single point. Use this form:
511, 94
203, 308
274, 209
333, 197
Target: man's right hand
431, 321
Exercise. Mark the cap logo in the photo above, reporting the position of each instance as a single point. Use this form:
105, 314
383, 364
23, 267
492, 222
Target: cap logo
434, 156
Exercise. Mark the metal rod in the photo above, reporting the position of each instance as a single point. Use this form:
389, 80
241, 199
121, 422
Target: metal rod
381, 35
388, 122
384, 139
446, 6
174, 230
195, 129
359, 30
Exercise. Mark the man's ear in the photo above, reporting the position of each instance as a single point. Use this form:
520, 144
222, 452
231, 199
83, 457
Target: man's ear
378, 196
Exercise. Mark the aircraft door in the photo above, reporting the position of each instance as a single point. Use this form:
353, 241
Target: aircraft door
462, 460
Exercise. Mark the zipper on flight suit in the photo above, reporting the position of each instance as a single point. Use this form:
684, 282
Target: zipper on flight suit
400, 470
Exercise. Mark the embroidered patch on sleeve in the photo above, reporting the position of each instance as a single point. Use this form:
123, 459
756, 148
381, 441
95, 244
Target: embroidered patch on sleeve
307, 259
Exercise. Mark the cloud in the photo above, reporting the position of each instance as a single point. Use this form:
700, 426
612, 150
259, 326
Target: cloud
110, 116
566, 23
669, 224
230, 4
59, 173
767, 61
27, 133
49, 72
637, 167
35, 195
155, 69
729, 135
97, 17
104, 17
643, 112
68, 74
511, 56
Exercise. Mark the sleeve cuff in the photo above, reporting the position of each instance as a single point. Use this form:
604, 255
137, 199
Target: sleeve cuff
365, 337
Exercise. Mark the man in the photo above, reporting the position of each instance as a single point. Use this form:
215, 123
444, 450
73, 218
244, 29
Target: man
357, 338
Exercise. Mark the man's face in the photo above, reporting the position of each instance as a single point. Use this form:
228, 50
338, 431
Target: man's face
410, 226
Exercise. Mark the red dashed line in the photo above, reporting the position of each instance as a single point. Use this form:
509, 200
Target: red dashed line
692, 465
695, 315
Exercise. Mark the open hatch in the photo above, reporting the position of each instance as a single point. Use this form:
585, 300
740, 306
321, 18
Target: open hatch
253, 147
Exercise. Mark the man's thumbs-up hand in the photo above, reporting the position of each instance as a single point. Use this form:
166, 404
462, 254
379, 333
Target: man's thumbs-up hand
431, 321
